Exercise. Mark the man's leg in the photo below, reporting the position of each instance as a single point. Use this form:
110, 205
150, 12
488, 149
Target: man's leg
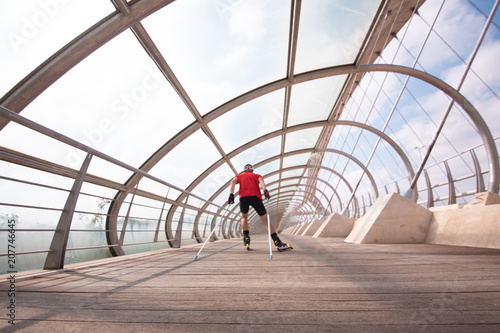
244, 221
263, 218
246, 232
277, 241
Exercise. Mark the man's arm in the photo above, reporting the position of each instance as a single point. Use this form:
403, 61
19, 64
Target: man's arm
262, 184
234, 181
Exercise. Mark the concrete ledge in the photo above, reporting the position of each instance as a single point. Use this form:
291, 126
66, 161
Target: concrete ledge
484, 199
447, 207
297, 228
312, 228
303, 227
335, 225
476, 226
392, 219
291, 230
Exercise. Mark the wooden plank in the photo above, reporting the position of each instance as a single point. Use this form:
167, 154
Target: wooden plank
322, 285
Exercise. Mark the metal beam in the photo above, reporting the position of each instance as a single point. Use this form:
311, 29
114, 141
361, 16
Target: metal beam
57, 253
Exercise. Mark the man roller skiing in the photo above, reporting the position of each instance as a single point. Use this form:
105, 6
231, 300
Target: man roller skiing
249, 193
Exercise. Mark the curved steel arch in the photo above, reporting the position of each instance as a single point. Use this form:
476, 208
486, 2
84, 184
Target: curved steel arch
253, 218
268, 136
471, 111
306, 185
291, 193
327, 169
351, 69
274, 134
274, 198
75, 51
317, 167
67, 57
296, 128
196, 231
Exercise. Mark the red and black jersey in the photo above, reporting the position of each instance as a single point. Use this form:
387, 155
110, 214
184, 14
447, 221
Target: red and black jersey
249, 184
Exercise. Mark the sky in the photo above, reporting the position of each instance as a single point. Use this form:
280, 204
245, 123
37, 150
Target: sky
414, 122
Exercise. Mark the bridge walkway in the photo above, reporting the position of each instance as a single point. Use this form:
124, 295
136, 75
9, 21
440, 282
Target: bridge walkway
322, 285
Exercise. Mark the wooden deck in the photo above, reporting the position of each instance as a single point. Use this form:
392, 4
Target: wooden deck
323, 285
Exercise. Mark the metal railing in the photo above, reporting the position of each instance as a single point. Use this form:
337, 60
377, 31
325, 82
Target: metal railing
138, 227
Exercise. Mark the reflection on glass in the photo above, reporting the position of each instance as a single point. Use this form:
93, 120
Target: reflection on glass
186, 161
295, 160
314, 100
302, 139
34, 30
257, 153
331, 32
219, 50
249, 121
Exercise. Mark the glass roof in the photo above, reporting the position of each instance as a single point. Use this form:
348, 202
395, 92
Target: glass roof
190, 91
222, 49
332, 32
34, 30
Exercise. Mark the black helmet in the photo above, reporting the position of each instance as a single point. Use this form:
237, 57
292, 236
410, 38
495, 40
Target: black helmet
248, 167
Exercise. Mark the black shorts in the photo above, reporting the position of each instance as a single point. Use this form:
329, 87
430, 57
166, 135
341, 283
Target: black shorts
255, 202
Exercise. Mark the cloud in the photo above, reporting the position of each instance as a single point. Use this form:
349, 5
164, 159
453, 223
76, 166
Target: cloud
248, 21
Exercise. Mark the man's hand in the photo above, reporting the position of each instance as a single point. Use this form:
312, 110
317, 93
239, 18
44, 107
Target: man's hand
266, 194
231, 199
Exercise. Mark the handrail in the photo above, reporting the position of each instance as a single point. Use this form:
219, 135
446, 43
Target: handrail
17, 118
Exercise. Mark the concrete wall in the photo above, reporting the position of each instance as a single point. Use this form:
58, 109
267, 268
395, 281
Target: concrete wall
300, 230
476, 224
335, 225
392, 219
313, 226
395, 219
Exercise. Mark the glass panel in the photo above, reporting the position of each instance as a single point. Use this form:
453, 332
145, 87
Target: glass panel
268, 168
22, 139
257, 153
219, 49
272, 179
289, 182
249, 121
215, 180
331, 32
11, 170
292, 173
34, 30
124, 107
302, 139
102, 168
295, 160
314, 100
187, 161
16, 193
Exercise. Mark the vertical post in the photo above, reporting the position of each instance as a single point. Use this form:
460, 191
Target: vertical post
178, 231
57, 253
479, 177
125, 222
430, 196
452, 198
159, 219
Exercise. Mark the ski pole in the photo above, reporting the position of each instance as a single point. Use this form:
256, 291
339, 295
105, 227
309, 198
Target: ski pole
269, 232
206, 240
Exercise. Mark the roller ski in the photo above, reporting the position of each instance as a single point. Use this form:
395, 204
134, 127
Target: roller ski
246, 240
280, 246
